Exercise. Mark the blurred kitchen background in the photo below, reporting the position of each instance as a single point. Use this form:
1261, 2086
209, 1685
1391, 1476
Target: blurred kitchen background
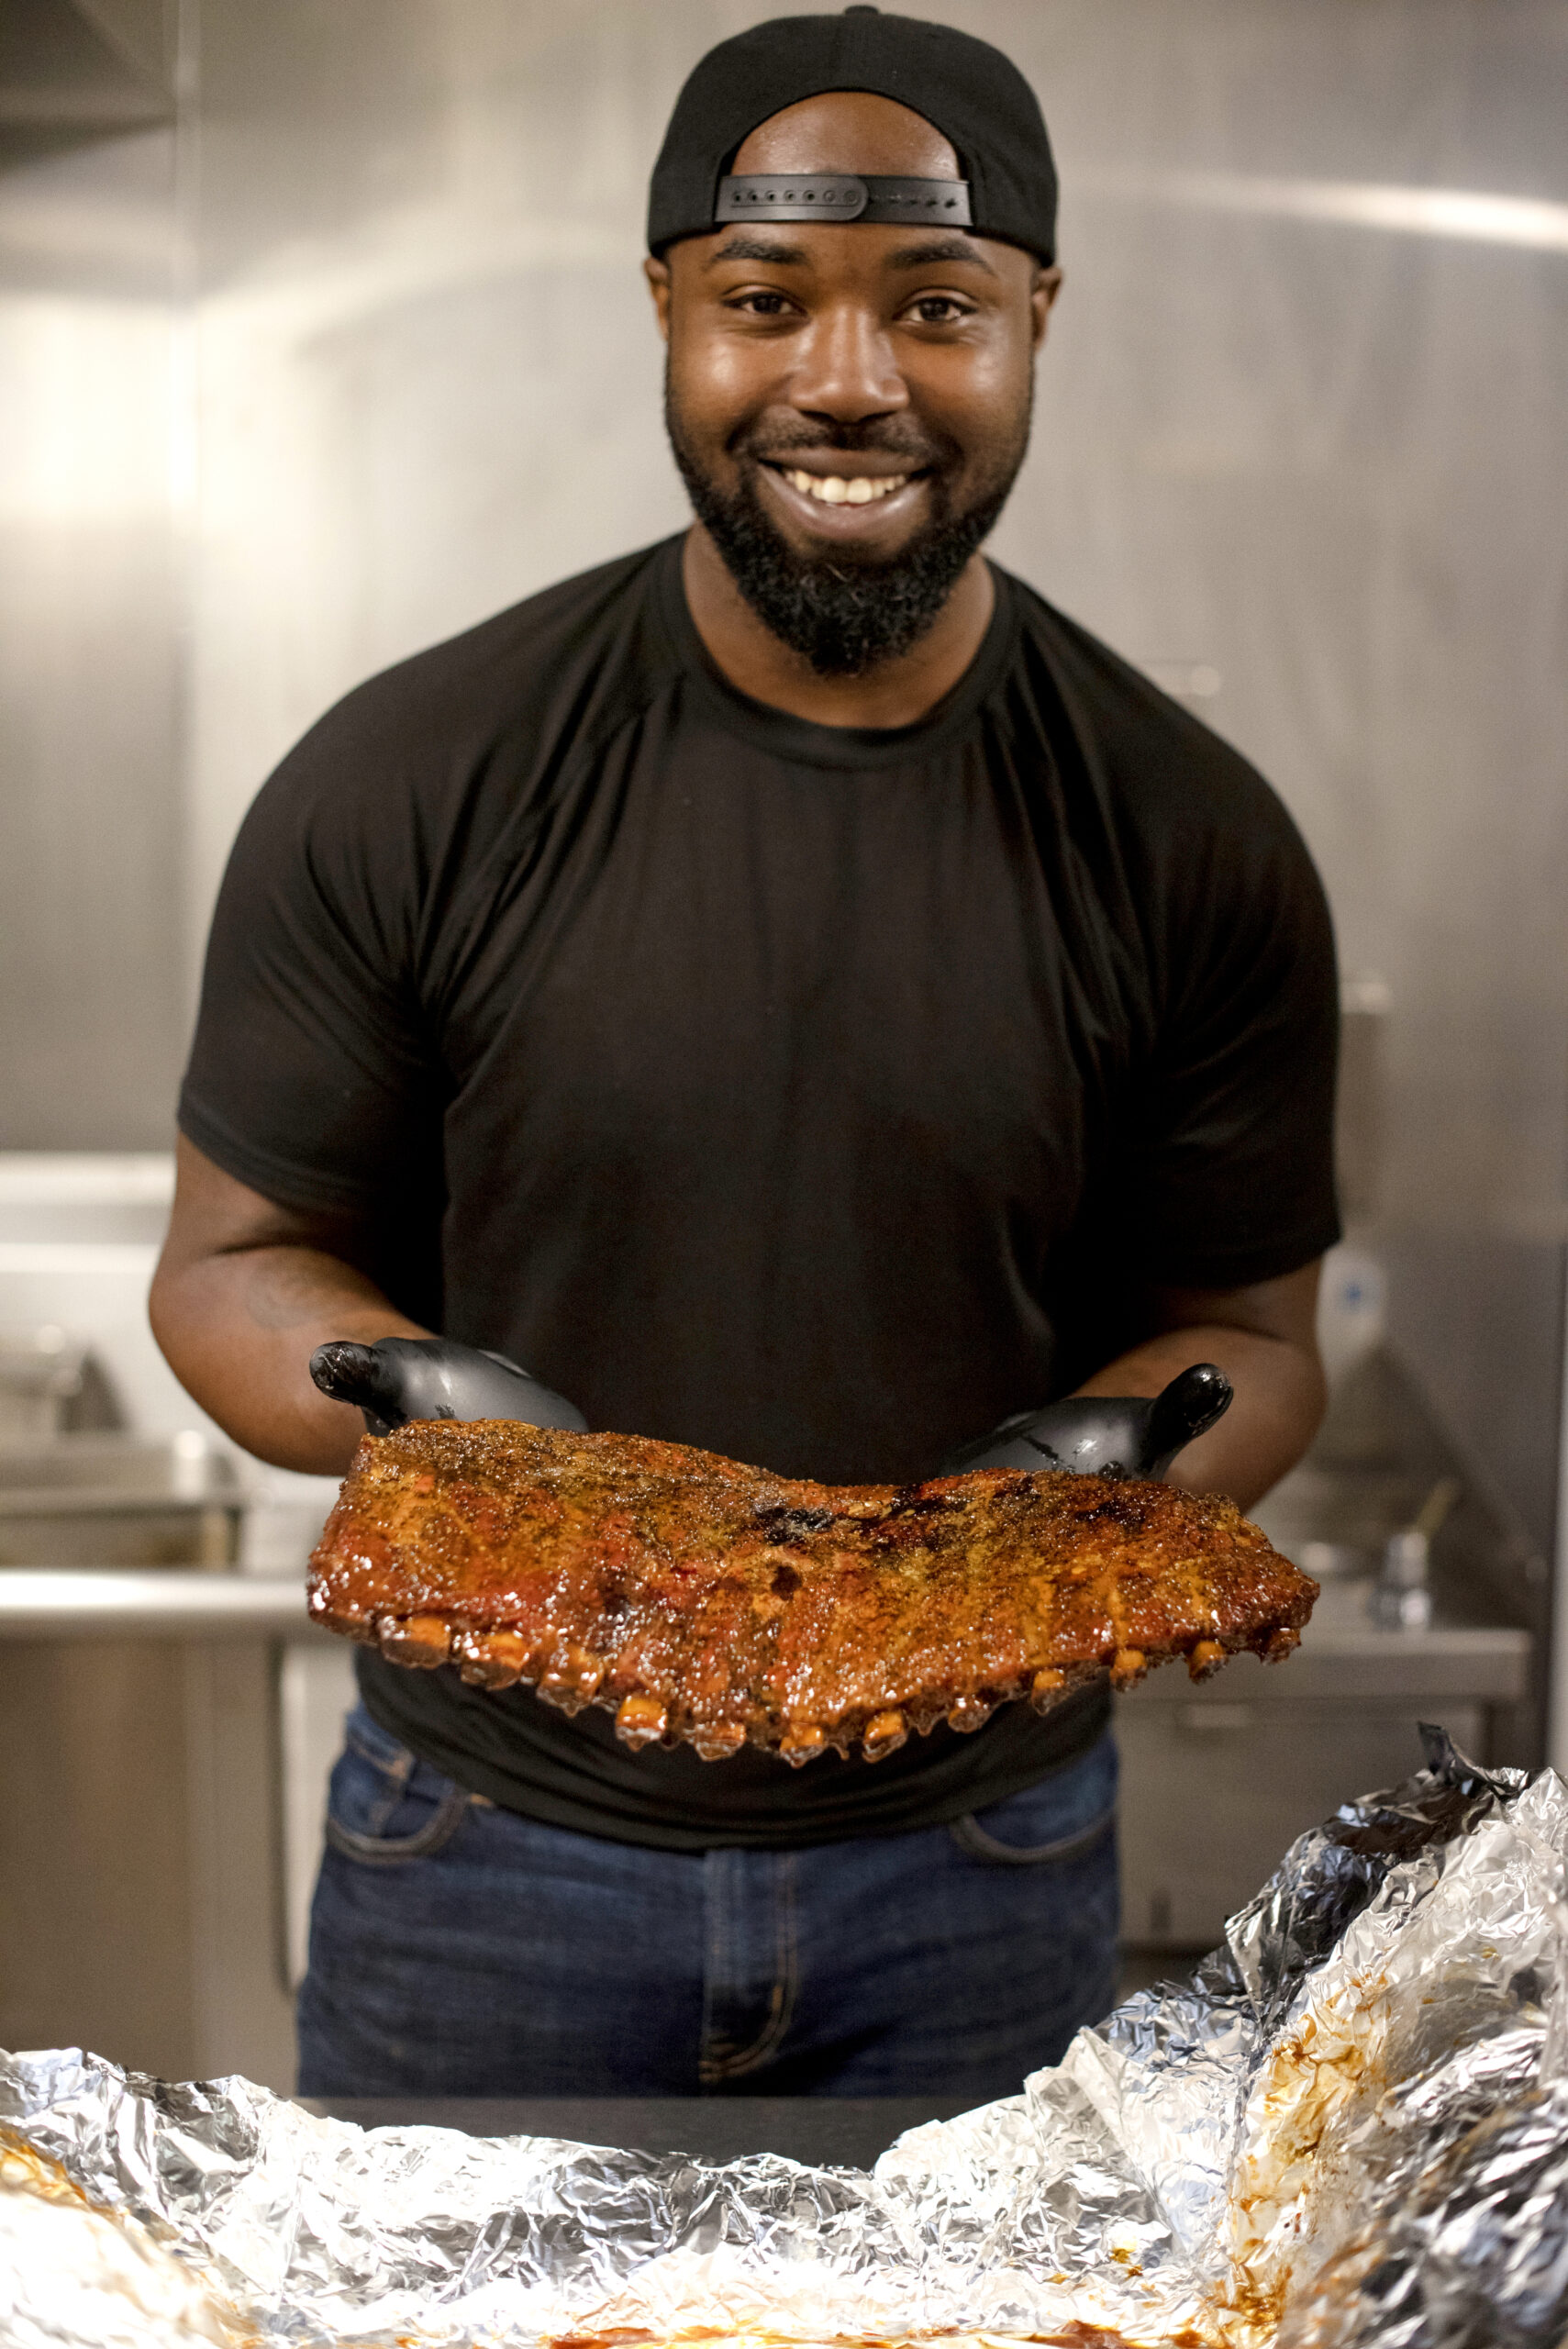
322, 336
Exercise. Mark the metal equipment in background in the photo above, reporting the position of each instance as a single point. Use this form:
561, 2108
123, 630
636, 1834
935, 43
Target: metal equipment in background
1217, 1780
152, 1594
118, 1500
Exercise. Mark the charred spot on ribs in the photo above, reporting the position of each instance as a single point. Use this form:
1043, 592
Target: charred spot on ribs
782, 1524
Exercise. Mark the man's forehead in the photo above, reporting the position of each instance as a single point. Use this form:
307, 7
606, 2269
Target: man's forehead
847, 130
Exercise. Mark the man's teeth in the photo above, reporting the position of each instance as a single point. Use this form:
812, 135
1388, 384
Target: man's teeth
832, 489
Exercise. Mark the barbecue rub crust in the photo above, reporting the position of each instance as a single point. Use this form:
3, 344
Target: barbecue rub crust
706, 1602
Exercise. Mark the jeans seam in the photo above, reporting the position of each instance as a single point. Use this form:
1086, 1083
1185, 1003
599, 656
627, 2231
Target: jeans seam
396, 1771
716, 1959
715, 2069
400, 1765
388, 1851
971, 1838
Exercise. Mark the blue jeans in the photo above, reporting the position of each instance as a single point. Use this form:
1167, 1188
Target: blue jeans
457, 1948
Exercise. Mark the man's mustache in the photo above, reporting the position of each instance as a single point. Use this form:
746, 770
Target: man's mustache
917, 455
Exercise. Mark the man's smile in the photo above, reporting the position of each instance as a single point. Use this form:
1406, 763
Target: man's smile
842, 505
834, 489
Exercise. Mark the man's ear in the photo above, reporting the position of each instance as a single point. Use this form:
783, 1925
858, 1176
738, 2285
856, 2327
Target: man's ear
1043, 291
657, 273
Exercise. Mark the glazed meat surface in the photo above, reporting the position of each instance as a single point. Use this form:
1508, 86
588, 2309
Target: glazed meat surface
705, 1601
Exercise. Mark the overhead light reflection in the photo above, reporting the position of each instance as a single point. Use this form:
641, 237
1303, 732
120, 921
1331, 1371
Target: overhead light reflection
313, 287
84, 409
1464, 213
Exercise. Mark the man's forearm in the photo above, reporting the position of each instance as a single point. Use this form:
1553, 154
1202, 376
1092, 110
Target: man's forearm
239, 1329
1279, 1403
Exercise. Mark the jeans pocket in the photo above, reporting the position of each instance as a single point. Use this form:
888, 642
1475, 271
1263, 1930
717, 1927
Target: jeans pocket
1075, 1810
385, 1806
971, 1837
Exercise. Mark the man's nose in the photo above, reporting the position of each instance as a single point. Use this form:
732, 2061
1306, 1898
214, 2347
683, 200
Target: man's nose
845, 368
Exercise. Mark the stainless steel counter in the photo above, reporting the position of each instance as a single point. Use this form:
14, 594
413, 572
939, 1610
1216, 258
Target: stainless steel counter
1343, 1654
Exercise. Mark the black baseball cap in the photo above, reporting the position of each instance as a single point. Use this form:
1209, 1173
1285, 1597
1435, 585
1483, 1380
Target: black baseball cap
964, 88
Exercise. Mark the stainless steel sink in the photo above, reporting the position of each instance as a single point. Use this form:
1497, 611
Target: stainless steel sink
120, 1500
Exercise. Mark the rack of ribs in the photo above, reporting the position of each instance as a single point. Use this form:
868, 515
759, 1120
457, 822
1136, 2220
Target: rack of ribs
703, 1601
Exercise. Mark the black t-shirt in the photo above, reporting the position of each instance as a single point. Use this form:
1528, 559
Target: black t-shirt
813, 1095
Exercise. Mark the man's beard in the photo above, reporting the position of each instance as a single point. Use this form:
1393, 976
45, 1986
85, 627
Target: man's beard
845, 612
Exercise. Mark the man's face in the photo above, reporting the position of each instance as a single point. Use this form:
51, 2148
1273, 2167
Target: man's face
849, 405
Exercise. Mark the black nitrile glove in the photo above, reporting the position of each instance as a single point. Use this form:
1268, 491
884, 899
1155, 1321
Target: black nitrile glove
435, 1378
1105, 1435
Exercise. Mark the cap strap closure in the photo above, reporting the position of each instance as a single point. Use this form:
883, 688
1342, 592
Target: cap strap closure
841, 195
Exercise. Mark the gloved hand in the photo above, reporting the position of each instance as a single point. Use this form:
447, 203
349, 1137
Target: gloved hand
1106, 1435
435, 1378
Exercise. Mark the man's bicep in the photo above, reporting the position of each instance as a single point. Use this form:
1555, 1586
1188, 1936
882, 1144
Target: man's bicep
214, 1214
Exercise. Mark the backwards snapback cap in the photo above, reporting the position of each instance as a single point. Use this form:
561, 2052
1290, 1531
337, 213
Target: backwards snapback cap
964, 88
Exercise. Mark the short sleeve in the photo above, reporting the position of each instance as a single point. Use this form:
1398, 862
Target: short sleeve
310, 1077
1232, 1174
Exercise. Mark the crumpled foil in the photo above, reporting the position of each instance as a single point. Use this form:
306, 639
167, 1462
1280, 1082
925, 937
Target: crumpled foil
1348, 2130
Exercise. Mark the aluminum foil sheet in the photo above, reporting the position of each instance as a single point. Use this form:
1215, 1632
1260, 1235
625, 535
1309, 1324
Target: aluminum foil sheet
1348, 2130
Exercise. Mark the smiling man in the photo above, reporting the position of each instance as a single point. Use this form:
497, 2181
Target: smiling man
803, 996
835, 570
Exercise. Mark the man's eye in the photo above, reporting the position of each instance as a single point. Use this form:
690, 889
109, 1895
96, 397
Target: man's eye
760, 305
940, 310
